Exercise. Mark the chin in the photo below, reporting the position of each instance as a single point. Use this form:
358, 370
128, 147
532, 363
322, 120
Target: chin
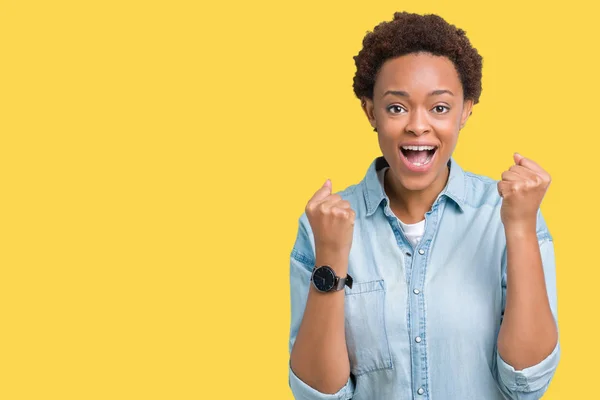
417, 183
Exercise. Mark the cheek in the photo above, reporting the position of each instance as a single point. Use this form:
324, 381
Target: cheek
387, 144
384, 141
447, 130
446, 123
449, 142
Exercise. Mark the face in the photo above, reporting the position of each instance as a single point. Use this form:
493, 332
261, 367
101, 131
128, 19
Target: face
418, 110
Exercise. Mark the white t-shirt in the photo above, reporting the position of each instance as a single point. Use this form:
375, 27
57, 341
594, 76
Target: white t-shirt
413, 232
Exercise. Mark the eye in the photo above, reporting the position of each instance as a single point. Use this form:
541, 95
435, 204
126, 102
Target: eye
440, 109
394, 109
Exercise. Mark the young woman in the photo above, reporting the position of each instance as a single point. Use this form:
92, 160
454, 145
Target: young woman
423, 281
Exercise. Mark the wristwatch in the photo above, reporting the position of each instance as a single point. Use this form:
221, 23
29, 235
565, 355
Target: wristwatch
324, 279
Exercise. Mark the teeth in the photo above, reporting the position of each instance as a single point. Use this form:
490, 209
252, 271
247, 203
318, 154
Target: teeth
418, 148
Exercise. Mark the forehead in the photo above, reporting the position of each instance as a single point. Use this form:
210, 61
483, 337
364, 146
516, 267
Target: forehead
418, 73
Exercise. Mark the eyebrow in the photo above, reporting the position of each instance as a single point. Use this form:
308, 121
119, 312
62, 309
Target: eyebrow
405, 94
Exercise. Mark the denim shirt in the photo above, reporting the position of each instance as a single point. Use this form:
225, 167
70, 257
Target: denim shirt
422, 322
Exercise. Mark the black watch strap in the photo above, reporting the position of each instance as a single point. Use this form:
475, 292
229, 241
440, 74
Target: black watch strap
341, 282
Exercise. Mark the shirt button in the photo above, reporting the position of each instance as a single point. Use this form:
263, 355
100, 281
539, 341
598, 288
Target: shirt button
420, 391
418, 339
416, 291
421, 251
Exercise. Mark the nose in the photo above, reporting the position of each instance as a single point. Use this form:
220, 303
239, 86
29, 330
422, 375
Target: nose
417, 122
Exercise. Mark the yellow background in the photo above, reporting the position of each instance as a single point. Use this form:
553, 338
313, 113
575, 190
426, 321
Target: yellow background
155, 158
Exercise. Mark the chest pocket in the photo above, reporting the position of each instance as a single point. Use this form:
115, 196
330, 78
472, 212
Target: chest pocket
366, 336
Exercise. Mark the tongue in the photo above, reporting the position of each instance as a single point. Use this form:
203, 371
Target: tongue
417, 156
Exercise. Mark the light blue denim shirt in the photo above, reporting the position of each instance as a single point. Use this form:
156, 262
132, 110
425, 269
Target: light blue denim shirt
423, 322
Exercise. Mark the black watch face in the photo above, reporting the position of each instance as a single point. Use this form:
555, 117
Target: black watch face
324, 279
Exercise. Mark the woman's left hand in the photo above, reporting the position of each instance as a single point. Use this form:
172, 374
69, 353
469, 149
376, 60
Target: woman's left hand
522, 189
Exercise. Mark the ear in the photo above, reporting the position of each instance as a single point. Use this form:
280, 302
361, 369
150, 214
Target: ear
466, 113
369, 110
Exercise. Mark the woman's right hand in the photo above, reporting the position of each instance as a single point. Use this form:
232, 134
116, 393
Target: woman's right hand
332, 221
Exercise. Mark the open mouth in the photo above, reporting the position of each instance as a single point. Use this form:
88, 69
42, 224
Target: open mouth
418, 155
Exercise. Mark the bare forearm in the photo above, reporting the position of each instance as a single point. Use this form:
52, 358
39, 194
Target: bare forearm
319, 356
528, 333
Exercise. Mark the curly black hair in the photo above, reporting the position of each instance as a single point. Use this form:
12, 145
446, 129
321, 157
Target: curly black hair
412, 33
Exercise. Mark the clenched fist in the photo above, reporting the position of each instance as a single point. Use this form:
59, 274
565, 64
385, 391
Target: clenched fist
332, 221
522, 189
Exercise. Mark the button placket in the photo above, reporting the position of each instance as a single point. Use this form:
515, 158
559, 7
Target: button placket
418, 320
417, 317
415, 262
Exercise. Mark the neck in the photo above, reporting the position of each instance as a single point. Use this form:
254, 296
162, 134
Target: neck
410, 206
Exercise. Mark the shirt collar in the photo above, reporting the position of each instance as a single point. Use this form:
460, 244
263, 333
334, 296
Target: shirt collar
374, 193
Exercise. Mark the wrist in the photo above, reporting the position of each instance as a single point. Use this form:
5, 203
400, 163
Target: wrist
520, 228
337, 260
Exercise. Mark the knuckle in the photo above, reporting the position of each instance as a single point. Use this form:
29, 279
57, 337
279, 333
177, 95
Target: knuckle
309, 208
339, 213
322, 208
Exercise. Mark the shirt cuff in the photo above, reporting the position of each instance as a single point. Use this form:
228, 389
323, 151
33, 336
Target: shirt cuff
302, 391
532, 378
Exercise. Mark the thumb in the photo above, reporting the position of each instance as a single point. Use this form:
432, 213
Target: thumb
327, 187
517, 158
323, 192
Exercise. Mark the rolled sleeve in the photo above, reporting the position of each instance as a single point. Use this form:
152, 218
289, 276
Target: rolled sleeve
530, 382
302, 391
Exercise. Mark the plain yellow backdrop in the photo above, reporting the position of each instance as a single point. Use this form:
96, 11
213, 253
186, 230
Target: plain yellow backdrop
155, 157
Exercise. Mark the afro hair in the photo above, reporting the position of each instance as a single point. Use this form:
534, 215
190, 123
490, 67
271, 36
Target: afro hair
413, 33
